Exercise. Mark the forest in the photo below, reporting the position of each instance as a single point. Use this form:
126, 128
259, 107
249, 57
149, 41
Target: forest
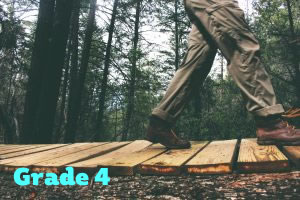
88, 70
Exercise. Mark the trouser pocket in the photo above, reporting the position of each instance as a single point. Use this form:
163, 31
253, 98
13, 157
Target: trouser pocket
227, 17
231, 30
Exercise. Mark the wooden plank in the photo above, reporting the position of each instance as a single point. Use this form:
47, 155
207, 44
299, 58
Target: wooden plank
30, 157
215, 158
124, 151
259, 158
57, 165
23, 148
170, 162
25, 161
32, 150
11, 146
6, 148
28, 160
15, 148
293, 153
128, 163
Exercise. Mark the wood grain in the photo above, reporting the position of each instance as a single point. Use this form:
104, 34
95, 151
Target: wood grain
10, 146
127, 164
18, 149
215, 158
117, 154
30, 151
28, 160
128, 158
293, 153
260, 158
57, 165
170, 162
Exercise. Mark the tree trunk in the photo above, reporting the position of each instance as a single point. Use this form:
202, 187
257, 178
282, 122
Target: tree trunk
37, 66
130, 106
116, 119
176, 36
222, 67
75, 103
99, 124
8, 130
64, 93
295, 52
74, 67
53, 73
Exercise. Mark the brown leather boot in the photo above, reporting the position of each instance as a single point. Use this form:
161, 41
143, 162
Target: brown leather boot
275, 131
160, 132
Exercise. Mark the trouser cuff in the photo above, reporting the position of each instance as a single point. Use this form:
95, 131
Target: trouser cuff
164, 115
270, 110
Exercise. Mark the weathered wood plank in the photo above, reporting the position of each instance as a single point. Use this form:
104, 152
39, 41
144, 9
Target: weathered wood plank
215, 158
128, 163
30, 151
293, 153
23, 148
11, 146
170, 162
57, 164
124, 151
259, 158
28, 160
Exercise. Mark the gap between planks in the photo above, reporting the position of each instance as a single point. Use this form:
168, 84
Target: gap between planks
171, 161
91, 165
29, 160
57, 165
41, 148
17, 149
251, 158
293, 153
128, 163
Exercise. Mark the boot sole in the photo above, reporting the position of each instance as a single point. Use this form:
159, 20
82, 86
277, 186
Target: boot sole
154, 141
281, 143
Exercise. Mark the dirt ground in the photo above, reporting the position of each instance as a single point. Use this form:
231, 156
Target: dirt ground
233, 186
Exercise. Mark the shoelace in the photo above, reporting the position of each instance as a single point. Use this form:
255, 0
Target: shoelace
288, 125
291, 127
175, 136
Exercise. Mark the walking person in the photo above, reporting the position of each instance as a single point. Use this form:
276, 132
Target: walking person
221, 24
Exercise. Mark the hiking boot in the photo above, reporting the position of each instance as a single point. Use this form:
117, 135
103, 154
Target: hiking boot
275, 131
160, 132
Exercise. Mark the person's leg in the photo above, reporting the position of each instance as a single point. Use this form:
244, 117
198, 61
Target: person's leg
224, 20
226, 24
191, 73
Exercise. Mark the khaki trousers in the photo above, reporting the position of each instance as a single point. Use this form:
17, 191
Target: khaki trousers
219, 24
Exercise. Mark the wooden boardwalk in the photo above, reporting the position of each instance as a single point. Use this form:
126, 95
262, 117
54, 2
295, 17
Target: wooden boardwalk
143, 157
